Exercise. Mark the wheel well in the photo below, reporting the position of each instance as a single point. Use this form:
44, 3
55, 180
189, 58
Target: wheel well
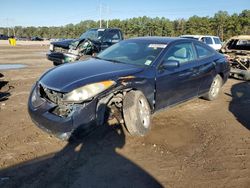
113, 103
125, 91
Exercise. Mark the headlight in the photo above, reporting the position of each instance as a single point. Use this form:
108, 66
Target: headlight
75, 52
36, 100
87, 92
51, 47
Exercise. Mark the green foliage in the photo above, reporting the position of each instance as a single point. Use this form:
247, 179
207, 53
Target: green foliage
198, 25
221, 24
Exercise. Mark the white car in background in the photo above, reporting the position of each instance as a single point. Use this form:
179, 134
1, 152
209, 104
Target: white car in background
213, 41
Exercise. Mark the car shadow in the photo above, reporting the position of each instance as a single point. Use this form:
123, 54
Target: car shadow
240, 103
88, 162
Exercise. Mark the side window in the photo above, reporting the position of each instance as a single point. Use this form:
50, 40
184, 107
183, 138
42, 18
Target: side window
182, 53
202, 52
217, 40
113, 35
208, 40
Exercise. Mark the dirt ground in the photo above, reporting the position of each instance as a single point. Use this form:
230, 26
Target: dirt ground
196, 144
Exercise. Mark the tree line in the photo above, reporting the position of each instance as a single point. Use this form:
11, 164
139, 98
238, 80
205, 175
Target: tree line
221, 24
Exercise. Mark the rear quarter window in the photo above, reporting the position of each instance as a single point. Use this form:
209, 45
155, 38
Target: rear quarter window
202, 51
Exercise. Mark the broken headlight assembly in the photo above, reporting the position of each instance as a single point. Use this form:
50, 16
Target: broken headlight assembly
36, 100
87, 92
74, 52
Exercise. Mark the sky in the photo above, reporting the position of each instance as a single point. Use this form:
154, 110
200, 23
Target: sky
62, 12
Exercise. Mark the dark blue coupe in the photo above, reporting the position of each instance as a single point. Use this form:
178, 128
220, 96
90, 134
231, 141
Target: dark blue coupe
133, 78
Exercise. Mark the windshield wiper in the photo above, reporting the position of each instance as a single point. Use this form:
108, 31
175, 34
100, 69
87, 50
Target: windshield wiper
96, 57
113, 60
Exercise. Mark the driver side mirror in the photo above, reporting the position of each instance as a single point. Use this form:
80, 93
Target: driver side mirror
170, 64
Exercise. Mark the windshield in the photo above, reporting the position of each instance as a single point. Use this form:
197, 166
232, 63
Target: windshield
135, 52
93, 34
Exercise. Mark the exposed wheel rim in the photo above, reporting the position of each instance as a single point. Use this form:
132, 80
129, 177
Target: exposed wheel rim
144, 112
215, 88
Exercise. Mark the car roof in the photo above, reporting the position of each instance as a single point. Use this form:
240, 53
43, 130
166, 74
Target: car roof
104, 28
159, 39
198, 36
241, 37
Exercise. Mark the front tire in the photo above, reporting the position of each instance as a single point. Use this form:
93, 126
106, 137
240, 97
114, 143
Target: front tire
137, 113
215, 88
55, 63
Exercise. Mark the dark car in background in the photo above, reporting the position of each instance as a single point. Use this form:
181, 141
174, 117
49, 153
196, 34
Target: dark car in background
36, 38
91, 42
3, 37
133, 78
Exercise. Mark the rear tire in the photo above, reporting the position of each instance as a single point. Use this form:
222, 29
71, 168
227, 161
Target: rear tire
215, 88
137, 113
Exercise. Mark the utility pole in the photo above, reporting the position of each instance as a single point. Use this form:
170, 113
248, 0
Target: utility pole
14, 33
107, 16
103, 9
7, 22
100, 11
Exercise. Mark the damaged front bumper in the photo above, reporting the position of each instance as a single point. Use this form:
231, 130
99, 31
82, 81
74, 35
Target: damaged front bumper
60, 58
46, 115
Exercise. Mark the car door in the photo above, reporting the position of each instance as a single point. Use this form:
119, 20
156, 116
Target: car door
174, 85
206, 65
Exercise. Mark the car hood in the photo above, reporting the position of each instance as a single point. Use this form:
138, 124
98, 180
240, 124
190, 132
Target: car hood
64, 43
68, 77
